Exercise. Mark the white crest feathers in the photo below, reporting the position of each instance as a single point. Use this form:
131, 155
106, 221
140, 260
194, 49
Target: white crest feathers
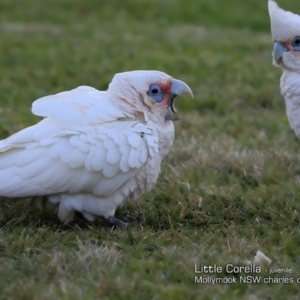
284, 24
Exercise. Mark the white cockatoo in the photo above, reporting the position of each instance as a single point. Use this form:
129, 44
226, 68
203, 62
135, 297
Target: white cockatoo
94, 150
285, 27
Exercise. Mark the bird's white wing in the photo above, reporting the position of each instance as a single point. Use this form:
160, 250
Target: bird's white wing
83, 105
86, 159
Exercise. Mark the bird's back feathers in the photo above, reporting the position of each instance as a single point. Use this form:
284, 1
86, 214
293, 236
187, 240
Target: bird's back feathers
83, 105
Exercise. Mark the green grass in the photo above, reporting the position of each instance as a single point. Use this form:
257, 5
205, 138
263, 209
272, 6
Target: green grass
230, 185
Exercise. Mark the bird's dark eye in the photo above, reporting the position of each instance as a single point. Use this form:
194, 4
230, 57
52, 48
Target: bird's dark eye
156, 92
296, 43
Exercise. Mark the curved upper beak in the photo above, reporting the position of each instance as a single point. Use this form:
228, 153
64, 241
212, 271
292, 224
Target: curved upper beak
278, 51
179, 87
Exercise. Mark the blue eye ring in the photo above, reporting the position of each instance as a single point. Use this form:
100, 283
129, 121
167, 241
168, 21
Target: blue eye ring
296, 43
156, 92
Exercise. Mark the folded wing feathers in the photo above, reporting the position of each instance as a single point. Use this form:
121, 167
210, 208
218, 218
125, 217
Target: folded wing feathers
80, 146
74, 161
96, 159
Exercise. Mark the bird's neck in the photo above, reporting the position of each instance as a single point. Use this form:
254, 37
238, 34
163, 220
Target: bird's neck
165, 135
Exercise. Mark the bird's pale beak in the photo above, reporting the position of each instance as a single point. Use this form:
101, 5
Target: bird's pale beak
278, 51
178, 87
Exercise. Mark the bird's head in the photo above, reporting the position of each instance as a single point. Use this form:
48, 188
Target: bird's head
150, 93
285, 28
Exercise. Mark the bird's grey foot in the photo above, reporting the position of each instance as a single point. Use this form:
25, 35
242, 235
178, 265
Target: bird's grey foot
115, 222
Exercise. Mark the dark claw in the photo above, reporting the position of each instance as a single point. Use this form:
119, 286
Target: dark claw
79, 215
115, 222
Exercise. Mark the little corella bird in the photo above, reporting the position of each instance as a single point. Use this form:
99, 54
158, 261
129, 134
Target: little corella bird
285, 27
94, 150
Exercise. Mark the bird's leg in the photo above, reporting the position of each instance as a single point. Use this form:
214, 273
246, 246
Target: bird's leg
115, 222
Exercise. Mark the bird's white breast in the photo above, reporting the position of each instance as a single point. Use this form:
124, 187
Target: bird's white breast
148, 174
290, 89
